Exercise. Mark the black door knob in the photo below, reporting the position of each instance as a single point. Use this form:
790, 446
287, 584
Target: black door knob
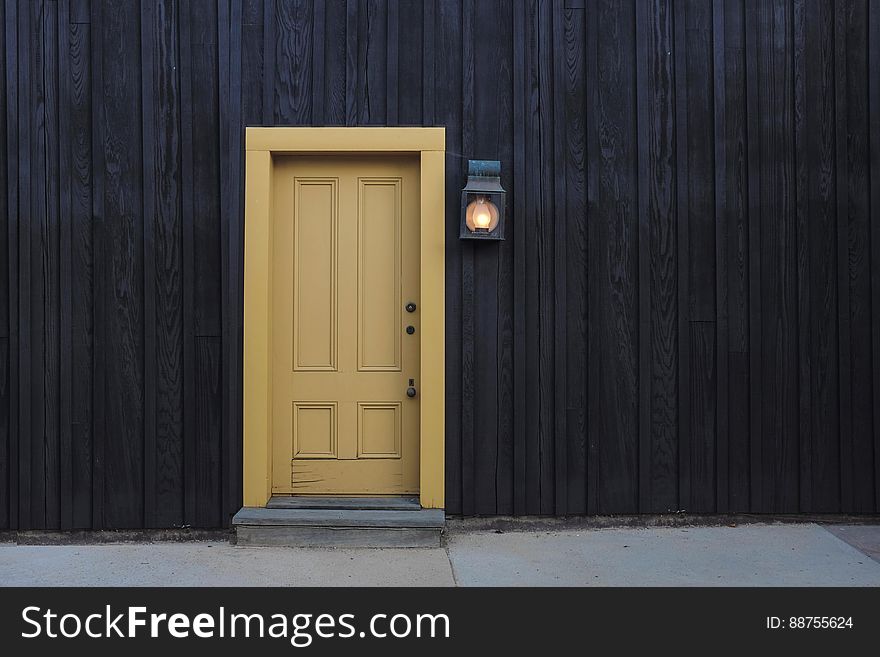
410, 330
410, 392
410, 307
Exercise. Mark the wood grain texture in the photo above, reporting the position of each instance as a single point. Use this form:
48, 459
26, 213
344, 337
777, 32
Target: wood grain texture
98, 427
844, 327
735, 268
469, 306
293, 62
123, 253
446, 108
685, 313
517, 210
682, 208
617, 252
4, 289
658, 264
4, 433
856, 188
575, 356
874, 132
168, 256
701, 239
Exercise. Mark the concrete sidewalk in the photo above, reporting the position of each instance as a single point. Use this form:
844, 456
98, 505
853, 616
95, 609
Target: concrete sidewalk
747, 555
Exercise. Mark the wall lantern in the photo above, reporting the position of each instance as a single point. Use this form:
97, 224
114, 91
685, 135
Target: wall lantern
482, 202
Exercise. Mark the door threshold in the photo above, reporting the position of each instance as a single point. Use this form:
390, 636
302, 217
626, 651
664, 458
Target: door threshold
379, 503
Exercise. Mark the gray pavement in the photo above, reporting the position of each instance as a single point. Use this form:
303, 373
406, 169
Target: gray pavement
747, 555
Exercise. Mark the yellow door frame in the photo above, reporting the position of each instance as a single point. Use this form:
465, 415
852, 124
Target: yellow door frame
260, 145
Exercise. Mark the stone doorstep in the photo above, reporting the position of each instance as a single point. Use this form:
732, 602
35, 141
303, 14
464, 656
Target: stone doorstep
339, 527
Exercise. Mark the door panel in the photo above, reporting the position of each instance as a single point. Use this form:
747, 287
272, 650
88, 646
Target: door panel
314, 294
345, 264
379, 302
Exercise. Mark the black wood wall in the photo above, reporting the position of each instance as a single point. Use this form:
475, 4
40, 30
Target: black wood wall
685, 315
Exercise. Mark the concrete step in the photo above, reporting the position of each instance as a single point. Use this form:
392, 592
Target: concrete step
343, 503
335, 527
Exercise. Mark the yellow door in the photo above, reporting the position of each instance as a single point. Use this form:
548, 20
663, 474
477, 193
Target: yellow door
345, 279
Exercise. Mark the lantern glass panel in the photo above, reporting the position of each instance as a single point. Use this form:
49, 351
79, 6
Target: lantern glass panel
482, 214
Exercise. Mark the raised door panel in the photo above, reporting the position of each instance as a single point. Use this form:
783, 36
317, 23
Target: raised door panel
379, 303
315, 277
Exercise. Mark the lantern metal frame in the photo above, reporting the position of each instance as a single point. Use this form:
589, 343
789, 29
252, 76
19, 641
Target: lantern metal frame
484, 179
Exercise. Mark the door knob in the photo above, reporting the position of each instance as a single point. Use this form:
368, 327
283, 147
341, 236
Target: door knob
411, 391
410, 330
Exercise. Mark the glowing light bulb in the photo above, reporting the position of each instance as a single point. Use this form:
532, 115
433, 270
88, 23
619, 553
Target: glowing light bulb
482, 215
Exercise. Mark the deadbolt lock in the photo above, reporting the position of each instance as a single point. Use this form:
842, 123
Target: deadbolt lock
410, 307
411, 390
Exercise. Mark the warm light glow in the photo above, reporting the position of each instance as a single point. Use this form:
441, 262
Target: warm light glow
481, 215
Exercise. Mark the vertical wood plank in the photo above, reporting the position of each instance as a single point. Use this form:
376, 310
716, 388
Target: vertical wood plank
23, 234
577, 259
208, 432
659, 180
756, 456
468, 301
618, 272
594, 234
169, 257
4, 432
13, 150
335, 47
804, 310
428, 63
268, 77
411, 44
701, 240
447, 110
518, 213
51, 274
231, 250
735, 190
65, 271
722, 426
150, 314
858, 236
642, 39
372, 62
293, 63
778, 256
559, 395
184, 18
392, 41
39, 225
5, 447
99, 425
819, 186
546, 320
122, 147
683, 246
352, 70
843, 285
4, 203
319, 10
252, 55
874, 132
533, 179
